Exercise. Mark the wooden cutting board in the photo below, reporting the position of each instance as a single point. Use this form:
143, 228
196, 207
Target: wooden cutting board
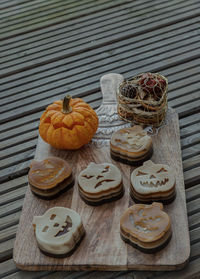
102, 248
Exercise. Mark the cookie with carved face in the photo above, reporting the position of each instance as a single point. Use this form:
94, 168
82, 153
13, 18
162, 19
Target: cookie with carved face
100, 183
50, 177
146, 227
153, 182
131, 146
59, 231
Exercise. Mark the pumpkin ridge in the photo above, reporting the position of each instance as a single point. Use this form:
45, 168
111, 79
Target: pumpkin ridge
68, 129
62, 125
86, 119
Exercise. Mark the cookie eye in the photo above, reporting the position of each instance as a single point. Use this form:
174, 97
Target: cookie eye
162, 170
106, 169
88, 176
56, 225
53, 216
141, 173
45, 229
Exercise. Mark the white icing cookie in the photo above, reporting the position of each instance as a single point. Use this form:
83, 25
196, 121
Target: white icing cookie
58, 231
99, 183
153, 182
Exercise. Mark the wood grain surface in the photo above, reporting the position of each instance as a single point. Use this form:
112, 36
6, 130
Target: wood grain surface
102, 248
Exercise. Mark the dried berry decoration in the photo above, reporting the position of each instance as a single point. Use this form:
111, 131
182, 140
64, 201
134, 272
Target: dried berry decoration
128, 90
143, 99
153, 84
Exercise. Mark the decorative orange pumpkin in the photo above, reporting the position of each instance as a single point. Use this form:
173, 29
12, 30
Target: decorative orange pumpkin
68, 124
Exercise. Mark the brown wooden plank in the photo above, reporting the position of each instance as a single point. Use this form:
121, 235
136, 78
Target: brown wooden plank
116, 262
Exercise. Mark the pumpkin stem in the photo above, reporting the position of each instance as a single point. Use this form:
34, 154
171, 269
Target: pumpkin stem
66, 107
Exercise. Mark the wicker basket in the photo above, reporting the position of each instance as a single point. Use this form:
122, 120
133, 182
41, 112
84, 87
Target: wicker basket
143, 99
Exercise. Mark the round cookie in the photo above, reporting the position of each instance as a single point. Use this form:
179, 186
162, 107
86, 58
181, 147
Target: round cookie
153, 182
131, 146
100, 183
146, 227
50, 177
59, 231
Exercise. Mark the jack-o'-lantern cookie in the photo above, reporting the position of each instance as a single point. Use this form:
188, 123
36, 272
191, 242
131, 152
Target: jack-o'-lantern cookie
50, 177
153, 182
59, 231
100, 183
146, 227
131, 145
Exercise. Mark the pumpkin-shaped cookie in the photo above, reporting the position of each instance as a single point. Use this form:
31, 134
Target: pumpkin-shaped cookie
131, 145
59, 231
50, 177
153, 182
100, 183
146, 227
68, 124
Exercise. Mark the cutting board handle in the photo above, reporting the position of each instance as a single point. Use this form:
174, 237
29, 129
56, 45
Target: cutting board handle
109, 84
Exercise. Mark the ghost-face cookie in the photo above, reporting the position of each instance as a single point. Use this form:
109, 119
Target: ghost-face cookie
50, 177
131, 146
146, 227
59, 231
153, 182
100, 183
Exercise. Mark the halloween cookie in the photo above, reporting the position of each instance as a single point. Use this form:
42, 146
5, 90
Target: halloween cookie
50, 177
59, 231
146, 227
100, 183
131, 146
153, 182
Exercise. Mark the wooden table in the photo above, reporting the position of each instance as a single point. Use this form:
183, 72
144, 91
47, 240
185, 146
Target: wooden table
49, 48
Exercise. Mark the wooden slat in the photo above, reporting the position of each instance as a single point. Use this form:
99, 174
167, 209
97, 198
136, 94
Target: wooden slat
63, 45
191, 162
113, 49
13, 184
34, 7
98, 42
192, 176
6, 249
47, 52
189, 120
193, 207
9, 220
12, 207
54, 18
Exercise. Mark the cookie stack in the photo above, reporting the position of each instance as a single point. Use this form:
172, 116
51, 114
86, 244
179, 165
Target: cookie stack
100, 183
131, 146
153, 182
146, 227
59, 231
50, 177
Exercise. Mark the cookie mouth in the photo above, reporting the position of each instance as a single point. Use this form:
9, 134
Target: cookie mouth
154, 183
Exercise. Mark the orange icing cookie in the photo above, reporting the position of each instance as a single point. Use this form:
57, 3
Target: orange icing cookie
131, 145
146, 227
50, 177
